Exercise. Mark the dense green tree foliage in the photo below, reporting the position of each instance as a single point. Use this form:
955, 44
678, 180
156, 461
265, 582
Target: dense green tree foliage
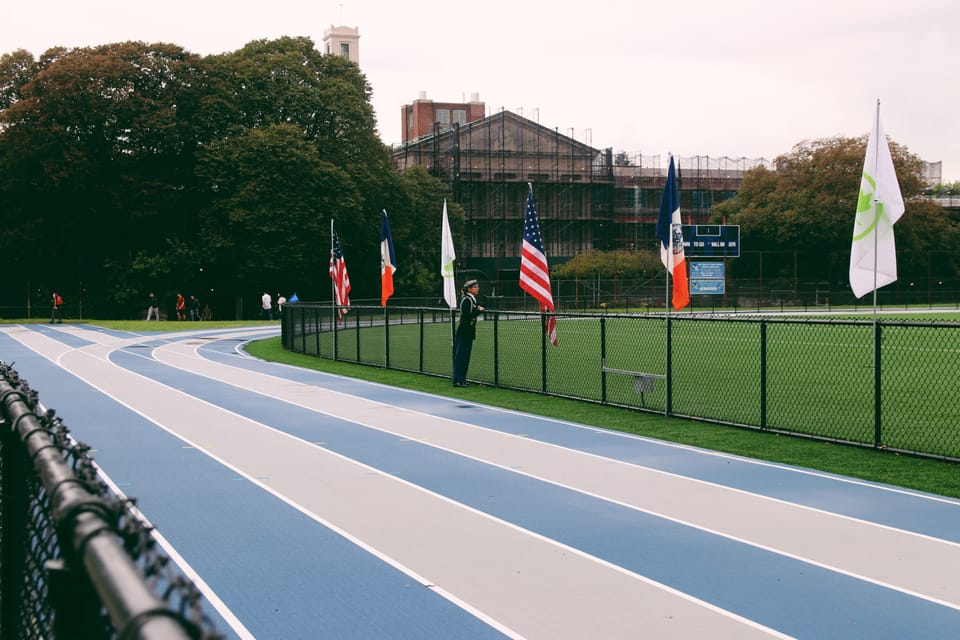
610, 264
946, 189
133, 167
415, 223
800, 217
94, 159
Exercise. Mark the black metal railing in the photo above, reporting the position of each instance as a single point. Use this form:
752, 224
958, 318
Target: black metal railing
76, 560
887, 384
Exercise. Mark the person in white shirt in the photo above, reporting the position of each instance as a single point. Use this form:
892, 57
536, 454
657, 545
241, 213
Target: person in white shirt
266, 310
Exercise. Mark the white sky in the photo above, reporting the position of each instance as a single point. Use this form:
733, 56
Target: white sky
736, 78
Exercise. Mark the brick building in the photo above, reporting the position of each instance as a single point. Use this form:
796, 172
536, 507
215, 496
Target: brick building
587, 198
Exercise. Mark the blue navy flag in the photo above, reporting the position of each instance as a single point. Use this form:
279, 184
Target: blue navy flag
670, 233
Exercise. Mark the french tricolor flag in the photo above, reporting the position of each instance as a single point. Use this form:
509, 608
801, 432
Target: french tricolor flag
388, 261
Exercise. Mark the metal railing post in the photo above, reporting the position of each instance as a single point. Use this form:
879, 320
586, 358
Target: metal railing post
386, 338
668, 382
543, 353
877, 420
763, 375
603, 358
496, 348
420, 322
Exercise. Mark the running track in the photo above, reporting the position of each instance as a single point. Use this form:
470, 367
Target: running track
312, 506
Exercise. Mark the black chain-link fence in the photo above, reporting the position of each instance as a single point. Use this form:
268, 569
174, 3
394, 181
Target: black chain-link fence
885, 384
76, 560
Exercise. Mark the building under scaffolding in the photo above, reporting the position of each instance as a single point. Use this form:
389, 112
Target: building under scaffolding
586, 198
703, 181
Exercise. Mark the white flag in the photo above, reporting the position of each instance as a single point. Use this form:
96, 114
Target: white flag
873, 255
447, 256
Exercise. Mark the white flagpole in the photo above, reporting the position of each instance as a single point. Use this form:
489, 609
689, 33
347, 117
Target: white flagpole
876, 236
333, 297
666, 278
669, 265
666, 329
333, 286
876, 213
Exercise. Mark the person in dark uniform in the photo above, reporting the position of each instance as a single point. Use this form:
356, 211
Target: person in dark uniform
466, 332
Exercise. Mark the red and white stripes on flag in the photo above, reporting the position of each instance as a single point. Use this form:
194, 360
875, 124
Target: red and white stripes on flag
338, 273
534, 272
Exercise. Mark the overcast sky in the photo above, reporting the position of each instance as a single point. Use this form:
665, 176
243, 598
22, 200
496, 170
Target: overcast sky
736, 78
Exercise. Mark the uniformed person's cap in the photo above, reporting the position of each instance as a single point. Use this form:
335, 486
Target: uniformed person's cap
468, 284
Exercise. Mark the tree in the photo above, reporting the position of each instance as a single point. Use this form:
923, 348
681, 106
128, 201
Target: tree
91, 151
801, 215
946, 189
610, 264
415, 223
287, 83
99, 176
16, 69
267, 226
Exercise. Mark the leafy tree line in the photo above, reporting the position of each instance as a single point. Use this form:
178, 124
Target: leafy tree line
132, 167
796, 226
945, 189
801, 216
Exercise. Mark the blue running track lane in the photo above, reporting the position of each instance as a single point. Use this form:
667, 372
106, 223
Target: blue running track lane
314, 506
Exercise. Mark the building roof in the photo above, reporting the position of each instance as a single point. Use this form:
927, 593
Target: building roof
475, 135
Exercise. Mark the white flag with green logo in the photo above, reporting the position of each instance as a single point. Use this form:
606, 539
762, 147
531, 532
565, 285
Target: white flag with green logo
873, 255
447, 256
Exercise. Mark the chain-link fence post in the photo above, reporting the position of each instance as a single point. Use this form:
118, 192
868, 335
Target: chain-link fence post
603, 359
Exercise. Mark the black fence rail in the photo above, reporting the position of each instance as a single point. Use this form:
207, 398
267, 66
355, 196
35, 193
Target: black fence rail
76, 560
885, 384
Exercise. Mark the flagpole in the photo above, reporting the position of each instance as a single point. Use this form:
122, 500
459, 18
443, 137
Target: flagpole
876, 236
877, 210
876, 213
333, 297
333, 286
666, 279
666, 297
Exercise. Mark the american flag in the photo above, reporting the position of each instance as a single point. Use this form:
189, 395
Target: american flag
338, 273
534, 273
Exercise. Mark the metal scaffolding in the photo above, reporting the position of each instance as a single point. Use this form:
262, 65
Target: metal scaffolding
586, 198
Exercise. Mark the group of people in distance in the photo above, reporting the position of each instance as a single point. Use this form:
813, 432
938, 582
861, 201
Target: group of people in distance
185, 310
267, 307
466, 331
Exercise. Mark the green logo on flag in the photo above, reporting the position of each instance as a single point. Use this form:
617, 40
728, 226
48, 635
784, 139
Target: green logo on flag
863, 206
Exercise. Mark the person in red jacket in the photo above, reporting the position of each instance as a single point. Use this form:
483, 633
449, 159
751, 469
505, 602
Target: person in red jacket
57, 303
181, 307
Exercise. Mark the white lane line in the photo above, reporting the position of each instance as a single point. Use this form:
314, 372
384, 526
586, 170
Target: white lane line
940, 562
549, 542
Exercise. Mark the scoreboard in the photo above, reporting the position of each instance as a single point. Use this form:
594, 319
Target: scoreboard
711, 240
